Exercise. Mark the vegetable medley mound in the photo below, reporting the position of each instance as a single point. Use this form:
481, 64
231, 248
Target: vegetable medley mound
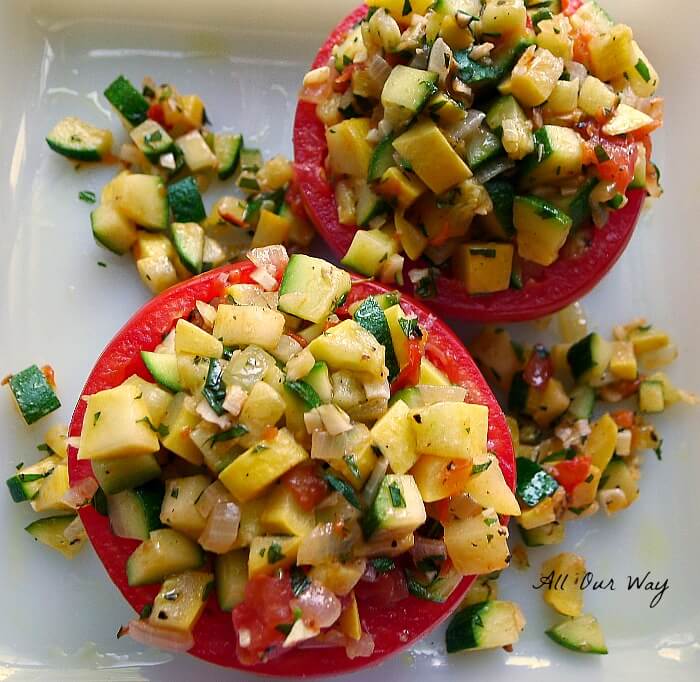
302, 451
481, 138
580, 419
155, 207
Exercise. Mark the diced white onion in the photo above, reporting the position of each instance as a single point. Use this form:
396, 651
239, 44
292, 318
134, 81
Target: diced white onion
468, 126
313, 422
612, 501
378, 70
623, 445
212, 495
320, 608
208, 313
264, 279
427, 547
160, 638
440, 58
377, 389
576, 70
168, 161
327, 543
80, 494
334, 419
491, 169
374, 481
323, 445
317, 76
391, 270
361, 648
300, 632
220, 533
205, 411
234, 400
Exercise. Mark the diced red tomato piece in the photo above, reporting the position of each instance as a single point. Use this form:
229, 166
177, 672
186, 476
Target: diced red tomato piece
624, 418
388, 588
266, 606
571, 472
156, 113
539, 367
613, 157
306, 484
410, 374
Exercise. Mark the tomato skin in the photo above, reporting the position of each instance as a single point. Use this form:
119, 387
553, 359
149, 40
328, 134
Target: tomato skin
213, 635
567, 280
571, 472
155, 113
306, 484
539, 368
410, 374
388, 588
266, 605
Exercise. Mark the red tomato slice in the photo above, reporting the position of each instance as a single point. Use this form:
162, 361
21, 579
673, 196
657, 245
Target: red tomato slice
560, 284
307, 486
393, 628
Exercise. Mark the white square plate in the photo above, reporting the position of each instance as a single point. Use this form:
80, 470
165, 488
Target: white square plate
57, 306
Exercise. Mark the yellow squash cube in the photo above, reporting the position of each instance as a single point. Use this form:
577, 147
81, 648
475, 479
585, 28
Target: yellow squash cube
563, 574
249, 324
189, 338
623, 362
434, 476
484, 267
250, 525
393, 435
349, 621
181, 601
116, 425
453, 430
535, 75
611, 52
177, 509
601, 442
180, 418
250, 474
478, 544
348, 150
157, 273
490, 490
595, 97
271, 229
554, 36
503, 16
548, 403
432, 157
284, 516
337, 577
270, 553
431, 375
349, 346
398, 187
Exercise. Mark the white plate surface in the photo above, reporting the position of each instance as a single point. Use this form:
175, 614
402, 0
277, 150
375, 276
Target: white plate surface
57, 306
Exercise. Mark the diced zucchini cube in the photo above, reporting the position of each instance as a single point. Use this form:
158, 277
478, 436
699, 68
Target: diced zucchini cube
144, 199
34, 395
112, 229
271, 229
270, 553
406, 92
368, 251
157, 273
198, 155
152, 139
397, 509
311, 288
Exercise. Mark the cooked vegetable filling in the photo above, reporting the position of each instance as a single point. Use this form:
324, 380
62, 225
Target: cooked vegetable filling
483, 137
309, 448
154, 207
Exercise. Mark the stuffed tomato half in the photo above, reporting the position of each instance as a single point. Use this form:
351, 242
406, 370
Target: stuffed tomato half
292, 459
489, 157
